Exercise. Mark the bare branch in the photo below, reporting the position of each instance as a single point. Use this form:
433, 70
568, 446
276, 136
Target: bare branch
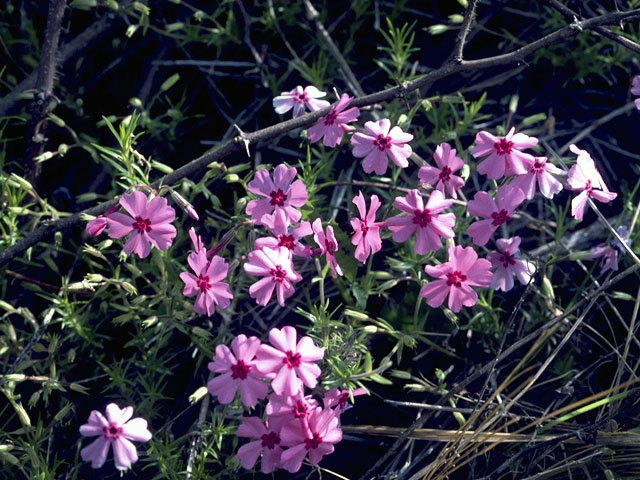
76, 46
350, 77
469, 14
44, 89
605, 32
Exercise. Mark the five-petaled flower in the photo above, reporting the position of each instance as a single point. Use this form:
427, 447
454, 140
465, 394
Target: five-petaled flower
443, 176
542, 171
506, 263
316, 440
280, 193
239, 371
584, 177
379, 144
328, 245
505, 158
367, 231
207, 282
496, 213
267, 442
609, 256
118, 429
149, 223
277, 269
298, 98
332, 126
427, 221
455, 279
278, 226
287, 363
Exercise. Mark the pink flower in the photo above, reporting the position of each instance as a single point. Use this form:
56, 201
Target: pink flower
289, 364
456, 277
506, 263
150, 223
339, 398
609, 257
448, 163
635, 90
207, 282
380, 145
277, 269
277, 224
298, 99
284, 408
328, 245
428, 223
584, 176
482, 205
504, 157
317, 440
239, 371
117, 430
367, 230
267, 443
332, 126
541, 171
280, 194
97, 225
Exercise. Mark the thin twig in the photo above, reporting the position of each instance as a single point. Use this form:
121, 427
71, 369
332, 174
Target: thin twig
43, 89
236, 144
598, 123
328, 41
469, 15
482, 371
605, 32
69, 51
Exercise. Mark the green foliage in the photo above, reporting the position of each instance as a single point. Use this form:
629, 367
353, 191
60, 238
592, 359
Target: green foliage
399, 49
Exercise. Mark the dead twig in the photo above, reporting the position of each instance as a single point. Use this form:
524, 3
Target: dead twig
43, 89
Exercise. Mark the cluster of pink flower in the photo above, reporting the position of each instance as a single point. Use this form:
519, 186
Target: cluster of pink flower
280, 195
504, 157
294, 420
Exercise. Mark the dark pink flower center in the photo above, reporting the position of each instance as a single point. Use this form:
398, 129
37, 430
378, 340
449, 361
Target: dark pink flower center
445, 174
538, 166
203, 283
300, 97
287, 241
364, 228
311, 443
330, 245
278, 198
422, 217
382, 142
503, 146
588, 188
507, 259
112, 430
300, 409
500, 217
278, 274
270, 440
292, 360
342, 400
240, 370
331, 117
456, 278
142, 225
